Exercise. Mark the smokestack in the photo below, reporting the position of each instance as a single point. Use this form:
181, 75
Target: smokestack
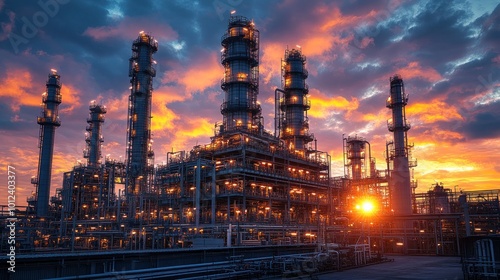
48, 121
400, 186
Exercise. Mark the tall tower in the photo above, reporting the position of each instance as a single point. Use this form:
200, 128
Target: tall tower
140, 155
48, 121
400, 187
93, 137
240, 58
294, 104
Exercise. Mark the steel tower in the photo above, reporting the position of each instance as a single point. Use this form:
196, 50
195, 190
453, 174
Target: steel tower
48, 121
140, 155
294, 104
240, 58
400, 186
93, 137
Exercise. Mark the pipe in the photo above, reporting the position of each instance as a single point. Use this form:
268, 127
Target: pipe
277, 113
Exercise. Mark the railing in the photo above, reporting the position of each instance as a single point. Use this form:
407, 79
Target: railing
246, 54
49, 120
391, 126
239, 78
57, 98
145, 38
295, 101
226, 106
249, 34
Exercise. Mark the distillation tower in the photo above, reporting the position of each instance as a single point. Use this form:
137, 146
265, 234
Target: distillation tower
355, 157
88, 189
48, 121
400, 181
93, 137
294, 103
240, 58
139, 154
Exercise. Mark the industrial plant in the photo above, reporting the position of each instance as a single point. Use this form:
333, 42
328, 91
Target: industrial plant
246, 188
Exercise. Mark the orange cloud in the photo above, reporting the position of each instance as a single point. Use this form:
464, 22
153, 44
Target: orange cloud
70, 99
434, 111
270, 66
188, 132
323, 105
457, 164
20, 90
414, 70
202, 75
17, 86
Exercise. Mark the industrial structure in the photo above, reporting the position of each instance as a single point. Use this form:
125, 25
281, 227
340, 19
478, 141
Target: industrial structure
272, 186
247, 186
48, 121
400, 155
140, 155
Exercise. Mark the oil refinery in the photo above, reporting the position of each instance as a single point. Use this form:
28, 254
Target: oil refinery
267, 196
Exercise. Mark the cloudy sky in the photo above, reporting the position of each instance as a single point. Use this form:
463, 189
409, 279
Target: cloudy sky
446, 51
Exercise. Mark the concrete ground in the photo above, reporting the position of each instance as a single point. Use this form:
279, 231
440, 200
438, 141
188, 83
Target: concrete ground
404, 267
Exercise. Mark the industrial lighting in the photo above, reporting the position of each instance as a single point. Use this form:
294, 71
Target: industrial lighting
233, 12
366, 206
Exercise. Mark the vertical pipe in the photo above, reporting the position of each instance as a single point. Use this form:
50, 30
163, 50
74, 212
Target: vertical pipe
213, 195
198, 192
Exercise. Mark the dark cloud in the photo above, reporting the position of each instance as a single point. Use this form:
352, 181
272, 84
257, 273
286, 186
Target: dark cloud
484, 125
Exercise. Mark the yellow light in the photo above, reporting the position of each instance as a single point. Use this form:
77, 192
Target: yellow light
367, 206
